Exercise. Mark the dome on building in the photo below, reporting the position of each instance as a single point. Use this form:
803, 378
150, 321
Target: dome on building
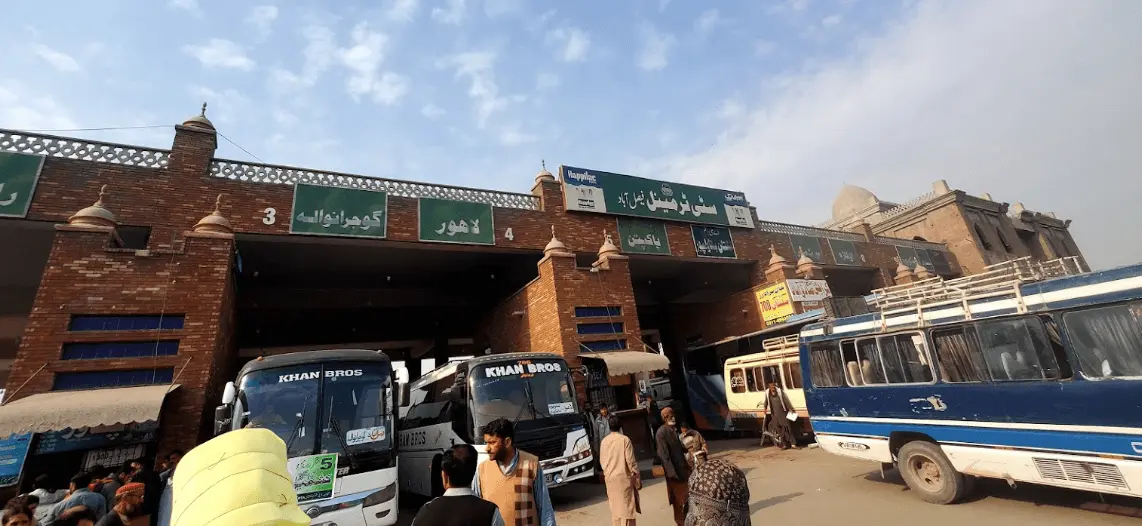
555, 246
215, 222
851, 200
95, 215
200, 120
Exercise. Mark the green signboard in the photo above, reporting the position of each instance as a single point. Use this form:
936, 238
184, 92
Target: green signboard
313, 476
643, 236
713, 242
908, 257
845, 252
811, 246
19, 173
444, 221
608, 193
335, 211
940, 262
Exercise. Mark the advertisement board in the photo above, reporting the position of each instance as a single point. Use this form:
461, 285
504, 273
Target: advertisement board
775, 303
808, 289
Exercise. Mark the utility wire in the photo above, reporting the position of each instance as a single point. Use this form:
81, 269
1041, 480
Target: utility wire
236, 145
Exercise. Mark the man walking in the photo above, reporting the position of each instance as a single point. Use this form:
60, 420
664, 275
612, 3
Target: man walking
512, 479
777, 404
620, 472
673, 455
459, 506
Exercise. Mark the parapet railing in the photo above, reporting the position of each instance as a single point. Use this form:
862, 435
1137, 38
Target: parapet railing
808, 231
278, 174
82, 149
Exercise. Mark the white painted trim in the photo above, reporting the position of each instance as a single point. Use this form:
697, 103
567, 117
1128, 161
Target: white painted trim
1020, 466
988, 425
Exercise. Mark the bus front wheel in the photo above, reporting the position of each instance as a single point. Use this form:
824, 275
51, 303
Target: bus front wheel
929, 473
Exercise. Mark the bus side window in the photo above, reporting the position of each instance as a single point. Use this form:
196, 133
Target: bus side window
737, 380
771, 374
1017, 349
852, 364
870, 364
826, 367
1107, 340
958, 353
1051, 326
792, 375
751, 378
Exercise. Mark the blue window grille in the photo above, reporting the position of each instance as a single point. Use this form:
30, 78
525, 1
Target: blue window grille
598, 312
108, 350
125, 323
101, 379
606, 345
599, 328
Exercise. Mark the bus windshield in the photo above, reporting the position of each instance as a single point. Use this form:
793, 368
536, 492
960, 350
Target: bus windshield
521, 390
340, 407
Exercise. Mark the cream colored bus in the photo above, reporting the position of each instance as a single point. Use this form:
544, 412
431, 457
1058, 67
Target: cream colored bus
747, 377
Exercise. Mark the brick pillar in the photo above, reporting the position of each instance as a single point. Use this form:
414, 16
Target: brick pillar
548, 190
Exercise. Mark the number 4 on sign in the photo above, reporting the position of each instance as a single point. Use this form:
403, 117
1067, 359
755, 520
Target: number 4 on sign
508, 235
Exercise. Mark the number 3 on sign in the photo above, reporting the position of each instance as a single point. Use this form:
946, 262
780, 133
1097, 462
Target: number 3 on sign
508, 235
270, 217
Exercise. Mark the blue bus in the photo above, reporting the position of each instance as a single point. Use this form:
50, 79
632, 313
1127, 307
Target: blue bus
1028, 372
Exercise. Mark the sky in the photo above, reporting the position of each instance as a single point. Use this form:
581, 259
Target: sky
1034, 101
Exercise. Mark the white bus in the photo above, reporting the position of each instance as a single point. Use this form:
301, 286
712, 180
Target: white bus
334, 410
450, 404
748, 376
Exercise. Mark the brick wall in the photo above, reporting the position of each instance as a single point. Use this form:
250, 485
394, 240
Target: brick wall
83, 276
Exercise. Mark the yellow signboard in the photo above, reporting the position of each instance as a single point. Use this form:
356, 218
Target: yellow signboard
775, 303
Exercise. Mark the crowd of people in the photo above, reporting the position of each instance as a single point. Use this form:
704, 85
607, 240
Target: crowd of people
99, 496
508, 489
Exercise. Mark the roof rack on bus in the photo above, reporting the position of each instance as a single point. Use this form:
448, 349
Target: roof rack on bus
999, 279
780, 346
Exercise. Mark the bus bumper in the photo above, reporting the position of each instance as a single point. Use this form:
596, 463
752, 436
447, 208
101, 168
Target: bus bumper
351, 511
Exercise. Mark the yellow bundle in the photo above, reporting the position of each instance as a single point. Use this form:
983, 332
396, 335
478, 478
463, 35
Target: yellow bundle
236, 479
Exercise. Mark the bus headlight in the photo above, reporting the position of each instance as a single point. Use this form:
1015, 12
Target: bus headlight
581, 450
386, 494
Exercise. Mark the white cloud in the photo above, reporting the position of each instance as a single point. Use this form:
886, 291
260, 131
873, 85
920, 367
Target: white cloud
479, 68
655, 47
707, 21
222, 106
56, 59
731, 108
21, 110
432, 111
391, 88
573, 43
262, 17
764, 48
220, 53
545, 81
189, 5
501, 8
1030, 101
363, 60
514, 136
403, 10
831, 20
452, 13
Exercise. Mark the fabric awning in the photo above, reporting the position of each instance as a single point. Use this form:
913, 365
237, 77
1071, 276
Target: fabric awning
793, 321
59, 410
622, 363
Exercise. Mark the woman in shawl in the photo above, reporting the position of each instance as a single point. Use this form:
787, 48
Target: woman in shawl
719, 496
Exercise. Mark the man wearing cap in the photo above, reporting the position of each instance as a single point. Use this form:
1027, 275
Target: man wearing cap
128, 509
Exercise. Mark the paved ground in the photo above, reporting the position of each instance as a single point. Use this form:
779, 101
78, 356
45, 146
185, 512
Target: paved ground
810, 486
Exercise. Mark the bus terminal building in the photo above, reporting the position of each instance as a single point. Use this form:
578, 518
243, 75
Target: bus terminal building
136, 282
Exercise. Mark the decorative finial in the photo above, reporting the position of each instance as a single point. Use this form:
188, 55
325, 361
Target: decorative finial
543, 163
102, 192
552, 231
218, 204
203, 109
772, 251
801, 251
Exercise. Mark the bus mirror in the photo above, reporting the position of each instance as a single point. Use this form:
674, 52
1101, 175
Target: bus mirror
223, 414
229, 393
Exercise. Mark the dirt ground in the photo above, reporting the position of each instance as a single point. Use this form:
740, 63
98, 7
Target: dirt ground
809, 486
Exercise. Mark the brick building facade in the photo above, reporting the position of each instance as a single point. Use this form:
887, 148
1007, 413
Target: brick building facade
187, 260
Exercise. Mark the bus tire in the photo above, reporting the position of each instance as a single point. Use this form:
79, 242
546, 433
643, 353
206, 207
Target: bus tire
928, 472
437, 483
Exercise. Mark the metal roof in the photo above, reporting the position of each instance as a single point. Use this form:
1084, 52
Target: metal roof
311, 357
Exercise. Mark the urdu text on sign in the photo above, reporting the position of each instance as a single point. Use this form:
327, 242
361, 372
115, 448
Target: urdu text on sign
609, 193
19, 174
